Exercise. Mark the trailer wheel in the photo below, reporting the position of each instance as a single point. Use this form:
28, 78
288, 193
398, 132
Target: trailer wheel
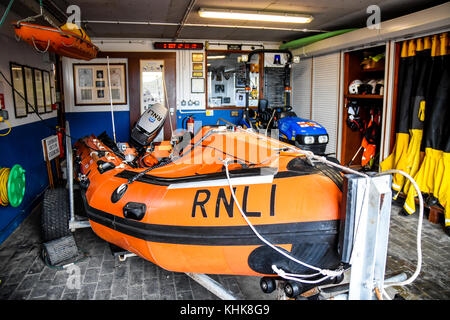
268, 285
55, 214
292, 289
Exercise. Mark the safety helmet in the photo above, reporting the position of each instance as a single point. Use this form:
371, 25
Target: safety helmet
379, 87
373, 84
353, 88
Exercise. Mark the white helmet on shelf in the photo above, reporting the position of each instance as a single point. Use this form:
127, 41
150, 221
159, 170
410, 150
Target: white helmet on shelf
373, 84
353, 88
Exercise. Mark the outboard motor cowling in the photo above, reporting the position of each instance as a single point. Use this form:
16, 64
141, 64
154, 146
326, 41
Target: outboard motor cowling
149, 125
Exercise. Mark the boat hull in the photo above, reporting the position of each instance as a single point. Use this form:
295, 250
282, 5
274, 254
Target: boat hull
193, 224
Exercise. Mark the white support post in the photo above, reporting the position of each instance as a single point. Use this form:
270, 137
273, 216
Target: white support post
73, 222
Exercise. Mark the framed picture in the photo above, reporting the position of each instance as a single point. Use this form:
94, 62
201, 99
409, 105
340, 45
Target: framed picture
219, 88
29, 89
240, 98
47, 91
19, 95
92, 86
197, 85
39, 90
197, 57
240, 82
216, 102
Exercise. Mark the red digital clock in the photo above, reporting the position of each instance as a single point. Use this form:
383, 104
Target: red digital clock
178, 45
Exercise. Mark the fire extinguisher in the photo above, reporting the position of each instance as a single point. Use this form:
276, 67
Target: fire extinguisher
60, 134
189, 124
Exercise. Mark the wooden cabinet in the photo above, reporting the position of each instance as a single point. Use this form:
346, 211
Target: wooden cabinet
368, 66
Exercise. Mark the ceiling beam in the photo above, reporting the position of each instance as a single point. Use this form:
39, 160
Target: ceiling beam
118, 22
35, 7
183, 21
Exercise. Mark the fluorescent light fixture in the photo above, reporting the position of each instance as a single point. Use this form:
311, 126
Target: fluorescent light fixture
254, 15
216, 57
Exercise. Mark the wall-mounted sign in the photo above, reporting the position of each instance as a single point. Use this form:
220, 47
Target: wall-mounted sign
237, 47
178, 45
50, 147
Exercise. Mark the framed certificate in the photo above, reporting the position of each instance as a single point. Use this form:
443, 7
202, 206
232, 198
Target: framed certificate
47, 91
19, 95
29, 89
39, 89
197, 57
197, 85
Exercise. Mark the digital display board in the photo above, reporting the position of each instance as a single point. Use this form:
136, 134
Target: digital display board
178, 45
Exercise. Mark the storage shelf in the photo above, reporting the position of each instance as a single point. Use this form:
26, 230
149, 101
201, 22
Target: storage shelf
373, 69
364, 96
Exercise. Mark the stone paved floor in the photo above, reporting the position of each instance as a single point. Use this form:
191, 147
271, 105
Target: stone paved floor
24, 276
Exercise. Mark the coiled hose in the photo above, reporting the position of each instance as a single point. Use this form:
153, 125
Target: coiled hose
4, 176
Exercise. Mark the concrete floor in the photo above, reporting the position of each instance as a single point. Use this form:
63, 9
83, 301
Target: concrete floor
24, 276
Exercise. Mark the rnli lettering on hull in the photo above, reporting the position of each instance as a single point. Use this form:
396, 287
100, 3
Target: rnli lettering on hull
203, 196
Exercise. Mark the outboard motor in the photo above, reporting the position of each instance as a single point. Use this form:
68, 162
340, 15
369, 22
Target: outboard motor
148, 126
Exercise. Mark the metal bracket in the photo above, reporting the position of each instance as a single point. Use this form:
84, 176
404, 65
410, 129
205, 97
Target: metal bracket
212, 285
74, 223
371, 233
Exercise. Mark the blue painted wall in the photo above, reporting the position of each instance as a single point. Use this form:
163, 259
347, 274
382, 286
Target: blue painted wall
86, 123
23, 146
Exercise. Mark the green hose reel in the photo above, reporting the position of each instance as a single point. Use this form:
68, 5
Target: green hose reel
16, 185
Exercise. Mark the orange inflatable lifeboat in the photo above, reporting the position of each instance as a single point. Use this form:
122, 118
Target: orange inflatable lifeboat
176, 208
68, 41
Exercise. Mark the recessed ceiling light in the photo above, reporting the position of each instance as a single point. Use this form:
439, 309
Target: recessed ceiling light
254, 15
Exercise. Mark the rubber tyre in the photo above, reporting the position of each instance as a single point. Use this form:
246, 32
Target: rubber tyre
55, 214
292, 289
268, 285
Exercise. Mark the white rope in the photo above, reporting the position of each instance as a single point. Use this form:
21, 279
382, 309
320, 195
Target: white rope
166, 99
280, 272
110, 100
37, 49
419, 230
268, 124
